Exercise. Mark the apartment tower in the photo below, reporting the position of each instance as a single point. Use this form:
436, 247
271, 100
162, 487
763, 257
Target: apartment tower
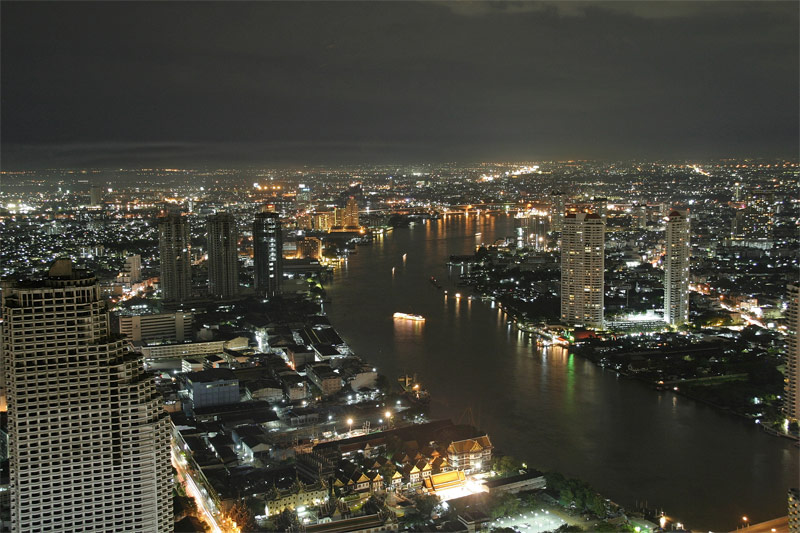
89, 438
174, 245
676, 269
582, 270
268, 253
223, 256
791, 399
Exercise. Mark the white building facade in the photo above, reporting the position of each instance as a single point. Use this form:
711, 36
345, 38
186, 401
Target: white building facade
676, 269
89, 439
582, 270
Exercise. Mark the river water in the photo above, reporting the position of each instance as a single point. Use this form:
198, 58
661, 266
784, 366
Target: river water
554, 410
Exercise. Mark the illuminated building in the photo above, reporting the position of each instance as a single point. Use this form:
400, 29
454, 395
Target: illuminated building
131, 271
174, 250
96, 195
268, 253
89, 438
303, 199
351, 213
324, 220
582, 270
557, 210
600, 206
157, 327
794, 510
531, 229
223, 256
676, 269
791, 402
309, 248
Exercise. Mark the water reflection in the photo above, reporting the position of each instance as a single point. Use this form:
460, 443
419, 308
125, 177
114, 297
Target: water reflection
554, 409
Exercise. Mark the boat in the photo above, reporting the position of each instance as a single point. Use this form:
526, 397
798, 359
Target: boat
409, 316
435, 282
412, 390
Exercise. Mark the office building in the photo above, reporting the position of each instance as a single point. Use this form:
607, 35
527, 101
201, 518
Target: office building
156, 327
676, 269
791, 399
309, 248
216, 386
174, 247
351, 213
223, 256
582, 270
89, 440
96, 194
303, 199
268, 254
531, 229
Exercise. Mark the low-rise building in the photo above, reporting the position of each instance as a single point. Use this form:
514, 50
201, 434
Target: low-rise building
470, 455
513, 484
157, 327
212, 387
328, 381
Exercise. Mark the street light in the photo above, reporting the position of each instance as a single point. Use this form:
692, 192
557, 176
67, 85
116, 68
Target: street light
350, 424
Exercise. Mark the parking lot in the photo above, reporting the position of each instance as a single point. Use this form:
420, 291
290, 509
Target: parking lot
530, 522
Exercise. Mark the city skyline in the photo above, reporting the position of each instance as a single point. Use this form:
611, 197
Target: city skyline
159, 84
401, 266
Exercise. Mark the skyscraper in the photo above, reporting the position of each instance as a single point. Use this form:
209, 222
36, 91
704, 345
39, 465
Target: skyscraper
176, 266
791, 402
582, 269
351, 213
268, 253
557, 210
223, 255
89, 438
676, 269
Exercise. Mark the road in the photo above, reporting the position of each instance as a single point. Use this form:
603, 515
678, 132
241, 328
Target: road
194, 491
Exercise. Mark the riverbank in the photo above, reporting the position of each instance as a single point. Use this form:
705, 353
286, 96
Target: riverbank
537, 401
735, 374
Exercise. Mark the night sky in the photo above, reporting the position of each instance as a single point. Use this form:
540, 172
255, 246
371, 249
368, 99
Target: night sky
110, 84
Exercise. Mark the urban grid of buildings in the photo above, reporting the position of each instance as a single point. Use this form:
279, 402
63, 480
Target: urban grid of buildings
172, 351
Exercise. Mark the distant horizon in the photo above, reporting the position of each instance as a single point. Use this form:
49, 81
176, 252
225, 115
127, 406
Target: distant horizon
186, 163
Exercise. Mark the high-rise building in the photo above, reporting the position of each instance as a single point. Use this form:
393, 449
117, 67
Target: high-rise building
324, 220
640, 215
176, 265
223, 255
794, 510
268, 253
676, 269
600, 206
557, 210
582, 269
531, 229
89, 438
303, 199
309, 248
131, 271
791, 397
96, 195
351, 213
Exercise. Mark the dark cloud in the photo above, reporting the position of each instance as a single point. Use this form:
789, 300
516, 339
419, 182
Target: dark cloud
254, 83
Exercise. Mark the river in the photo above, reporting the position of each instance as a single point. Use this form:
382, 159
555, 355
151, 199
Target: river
554, 410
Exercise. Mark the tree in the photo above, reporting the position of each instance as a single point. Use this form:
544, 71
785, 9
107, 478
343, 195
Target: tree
425, 504
287, 521
387, 471
506, 465
243, 517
